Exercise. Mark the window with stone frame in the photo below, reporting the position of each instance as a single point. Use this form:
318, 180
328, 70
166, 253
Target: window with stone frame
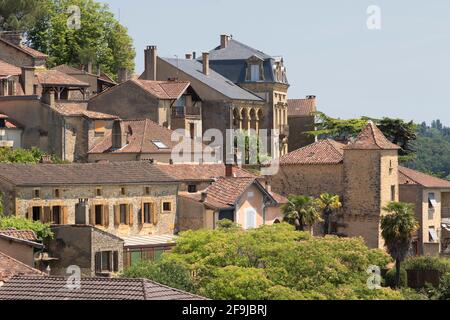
106, 261
167, 206
123, 213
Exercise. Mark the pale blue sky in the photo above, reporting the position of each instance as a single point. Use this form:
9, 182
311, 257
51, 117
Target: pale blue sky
401, 70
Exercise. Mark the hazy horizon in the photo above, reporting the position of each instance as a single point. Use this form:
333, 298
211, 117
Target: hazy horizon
399, 71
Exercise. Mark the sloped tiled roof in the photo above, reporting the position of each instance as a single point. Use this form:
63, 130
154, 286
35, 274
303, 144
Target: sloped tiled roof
371, 138
58, 78
192, 172
321, 152
72, 70
141, 134
79, 109
25, 49
20, 234
7, 69
83, 173
10, 267
55, 288
410, 176
213, 80
301, 107
226, 191
10, 123
164, 90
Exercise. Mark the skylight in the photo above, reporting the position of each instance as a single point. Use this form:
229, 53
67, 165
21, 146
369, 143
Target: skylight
159, 144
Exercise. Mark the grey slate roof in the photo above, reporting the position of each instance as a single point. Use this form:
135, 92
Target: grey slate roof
214, 80
236, 50
83, 174
55, 288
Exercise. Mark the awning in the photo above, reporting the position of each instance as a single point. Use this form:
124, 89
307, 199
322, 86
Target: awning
136, 241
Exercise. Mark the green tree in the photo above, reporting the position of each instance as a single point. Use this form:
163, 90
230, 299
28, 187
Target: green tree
33, 155
42, 230
301, 211
397, 229
101, 39
328, 203
18, 15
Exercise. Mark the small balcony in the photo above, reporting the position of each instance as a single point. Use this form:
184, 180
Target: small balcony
186, 112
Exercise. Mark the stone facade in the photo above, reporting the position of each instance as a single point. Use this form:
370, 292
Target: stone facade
298, 126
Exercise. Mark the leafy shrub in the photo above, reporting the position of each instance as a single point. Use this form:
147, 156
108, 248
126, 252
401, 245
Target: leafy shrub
428, 263
42, 230
389, 278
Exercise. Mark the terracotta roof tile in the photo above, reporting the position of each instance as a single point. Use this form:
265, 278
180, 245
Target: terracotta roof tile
410, 176
301, 107
7, 69
321, 152
226, 190
372, 138
83, 173
25, 49
79, 109
55, 77
192, 172
10, 267
20, 234
55, 288
165, 90
72, 70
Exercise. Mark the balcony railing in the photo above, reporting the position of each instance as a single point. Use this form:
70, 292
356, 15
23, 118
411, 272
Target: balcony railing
181, 112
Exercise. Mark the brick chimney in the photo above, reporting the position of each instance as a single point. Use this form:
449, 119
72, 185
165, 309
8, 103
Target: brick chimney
49, 97
27, 79
205, 57
122, 75
228, 170
13, 37
224, 39
150, 62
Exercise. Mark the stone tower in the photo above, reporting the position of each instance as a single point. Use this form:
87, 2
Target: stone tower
370, 183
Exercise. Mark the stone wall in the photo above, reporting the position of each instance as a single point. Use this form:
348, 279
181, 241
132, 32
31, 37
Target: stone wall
297, 128
15, 56
191, 215
102, 241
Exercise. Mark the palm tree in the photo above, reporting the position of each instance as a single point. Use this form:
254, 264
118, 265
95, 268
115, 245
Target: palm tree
397, 229
301, 211
328, 203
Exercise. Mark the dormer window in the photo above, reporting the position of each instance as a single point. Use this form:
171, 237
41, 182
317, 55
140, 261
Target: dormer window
254, 72
255, 69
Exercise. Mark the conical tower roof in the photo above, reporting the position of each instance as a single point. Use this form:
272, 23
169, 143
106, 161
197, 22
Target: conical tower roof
371, 138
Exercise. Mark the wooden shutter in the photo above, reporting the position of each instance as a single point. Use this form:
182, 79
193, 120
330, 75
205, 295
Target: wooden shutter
41, 214
92, 215
153, 213
130, 215
47, 215
116, 215
115, 261
30, 213
98, 262
142, 215
65, 215
105, 217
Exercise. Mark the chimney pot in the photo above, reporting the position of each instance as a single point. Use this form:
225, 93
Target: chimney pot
194, 55
122, 75
205, 57
310, 97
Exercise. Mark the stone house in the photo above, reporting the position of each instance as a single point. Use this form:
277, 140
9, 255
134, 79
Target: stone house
301, 120
94, 251
431, 198
10, 268
137, 140
172, 104
14, 52
21, 245
223, 102
122, 198
261, 74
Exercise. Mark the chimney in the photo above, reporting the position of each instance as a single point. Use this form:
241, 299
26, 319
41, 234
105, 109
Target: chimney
205, 57
89, 67
194, 55
204, 195
310, 97
28, 80
13, 37
122, 75
228, 170
224, 39
48, 97
188, 56
150, 62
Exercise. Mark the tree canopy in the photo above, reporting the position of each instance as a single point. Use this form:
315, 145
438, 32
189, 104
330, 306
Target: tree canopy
100, 38
33, 155
42, 230
270, 262
18, 15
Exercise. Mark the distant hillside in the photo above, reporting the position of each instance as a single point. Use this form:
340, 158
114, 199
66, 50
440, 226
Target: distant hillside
432, 149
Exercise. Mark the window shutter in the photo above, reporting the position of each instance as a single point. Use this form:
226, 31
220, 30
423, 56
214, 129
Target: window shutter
154, 214
65, 215
47, 215
92, 215
41, 214
98, 262
116, 215
115, 261
30, 213
105, 213
130, 215
142, 215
